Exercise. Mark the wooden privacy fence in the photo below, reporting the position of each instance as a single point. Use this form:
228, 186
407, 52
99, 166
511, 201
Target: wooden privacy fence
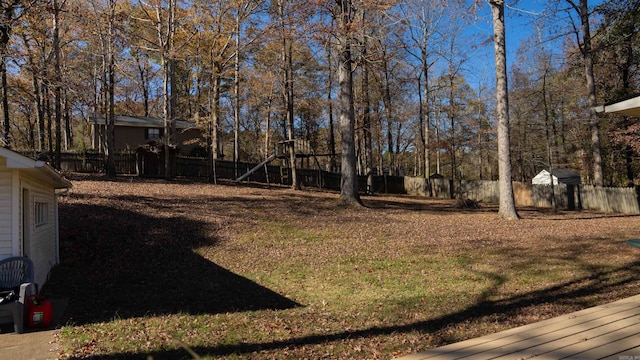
607, 199
618, 200
90, 162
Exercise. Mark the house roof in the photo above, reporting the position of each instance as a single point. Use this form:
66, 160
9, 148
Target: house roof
141, 121
36, 168
629, 107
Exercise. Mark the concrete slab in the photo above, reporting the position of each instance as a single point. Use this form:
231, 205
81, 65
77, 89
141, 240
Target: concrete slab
34, 344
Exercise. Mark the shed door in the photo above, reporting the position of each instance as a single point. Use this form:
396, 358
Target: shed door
26, 222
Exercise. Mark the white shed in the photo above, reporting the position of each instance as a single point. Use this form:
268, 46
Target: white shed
562, 176
29, 211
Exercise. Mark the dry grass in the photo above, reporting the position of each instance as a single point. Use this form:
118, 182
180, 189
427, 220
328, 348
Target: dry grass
154, 268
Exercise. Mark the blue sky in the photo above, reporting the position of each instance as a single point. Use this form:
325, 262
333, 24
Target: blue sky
520, 25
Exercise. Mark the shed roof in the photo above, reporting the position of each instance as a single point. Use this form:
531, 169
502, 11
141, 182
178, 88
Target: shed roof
141, 121
564, 176
630, 107
36, 168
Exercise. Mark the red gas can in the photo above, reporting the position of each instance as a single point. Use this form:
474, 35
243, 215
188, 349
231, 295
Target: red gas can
39, 311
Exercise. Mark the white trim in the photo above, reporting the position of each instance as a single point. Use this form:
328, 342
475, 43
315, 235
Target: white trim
18, 161
629, 107
57, 229
16, 210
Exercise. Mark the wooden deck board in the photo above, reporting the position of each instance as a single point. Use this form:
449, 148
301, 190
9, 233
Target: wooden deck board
609, 341
611, 330
570, 338
631, 353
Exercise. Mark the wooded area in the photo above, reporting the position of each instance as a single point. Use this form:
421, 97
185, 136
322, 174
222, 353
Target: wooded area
399, 87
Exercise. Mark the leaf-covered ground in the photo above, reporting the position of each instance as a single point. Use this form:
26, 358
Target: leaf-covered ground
161, 269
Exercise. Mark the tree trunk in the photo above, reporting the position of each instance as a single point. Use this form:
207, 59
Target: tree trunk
48, 116
332, 138
214, 104
111, 167
290, 119
165, 32
69, 141
8, 11
5, 103
39, 111
548, 136
452, 119
236, 90
349, 181
389, 115
507, 208
366, 128
46, 111
57, 85
426, 115
166, 115
594, 124
438, 150
288, 96
144, 85
267, 130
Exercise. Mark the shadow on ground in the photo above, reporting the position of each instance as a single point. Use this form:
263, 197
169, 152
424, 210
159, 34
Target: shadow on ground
572, 294
120, 264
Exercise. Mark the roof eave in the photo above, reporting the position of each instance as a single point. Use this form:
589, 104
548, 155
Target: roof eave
630, 107
35, 167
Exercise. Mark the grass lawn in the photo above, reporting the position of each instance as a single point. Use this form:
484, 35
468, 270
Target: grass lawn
161, 269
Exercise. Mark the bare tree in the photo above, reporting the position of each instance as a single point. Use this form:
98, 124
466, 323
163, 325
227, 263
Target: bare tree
218, 36
10, 12
165, 25
349, 181
110, 77
57, 8
332, 138
162, 15
507, 207
103, 17
244, 9
286, 29
582, 9
423, 18
367, 112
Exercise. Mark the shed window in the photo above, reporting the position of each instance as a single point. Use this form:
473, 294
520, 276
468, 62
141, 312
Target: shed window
41, 213
152, 133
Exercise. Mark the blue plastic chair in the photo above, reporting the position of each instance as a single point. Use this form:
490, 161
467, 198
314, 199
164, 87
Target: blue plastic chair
17, 274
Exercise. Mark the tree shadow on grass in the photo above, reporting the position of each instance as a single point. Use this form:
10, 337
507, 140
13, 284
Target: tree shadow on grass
118, 263
575, 294
125, 263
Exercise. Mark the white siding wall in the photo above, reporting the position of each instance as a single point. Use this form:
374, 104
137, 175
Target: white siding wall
6, 243
42, 232
43, 236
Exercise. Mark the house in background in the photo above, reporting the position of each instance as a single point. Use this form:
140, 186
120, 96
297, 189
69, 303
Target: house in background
562, 176
132, 132
29, 192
